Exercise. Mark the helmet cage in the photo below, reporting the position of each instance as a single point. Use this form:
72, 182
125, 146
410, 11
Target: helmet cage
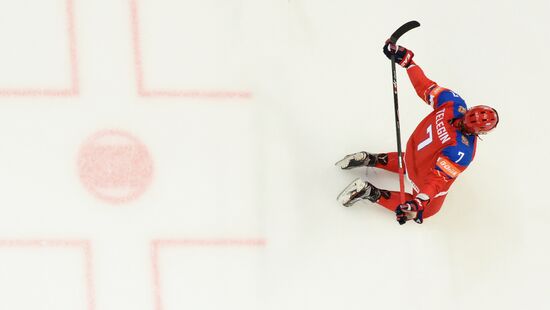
479, 120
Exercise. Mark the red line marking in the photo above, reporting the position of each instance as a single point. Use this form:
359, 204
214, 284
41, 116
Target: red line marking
148, 93
220, 242
42, 243
156, 275
86, 250
73, 90
89, 275
137, 47
37, 93
72, 47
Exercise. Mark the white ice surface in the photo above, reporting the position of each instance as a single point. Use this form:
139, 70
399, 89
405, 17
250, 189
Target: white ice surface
261, 168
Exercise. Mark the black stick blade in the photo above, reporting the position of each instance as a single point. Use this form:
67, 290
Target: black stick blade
403, 29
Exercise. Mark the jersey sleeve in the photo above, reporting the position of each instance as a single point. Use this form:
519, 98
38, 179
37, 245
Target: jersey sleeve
429, 91
462, 153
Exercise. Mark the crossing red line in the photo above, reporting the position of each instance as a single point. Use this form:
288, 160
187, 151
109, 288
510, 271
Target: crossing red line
83, 245
157, 244
73, 89
142, 89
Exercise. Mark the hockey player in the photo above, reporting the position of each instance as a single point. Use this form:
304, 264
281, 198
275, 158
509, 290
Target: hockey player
440, 148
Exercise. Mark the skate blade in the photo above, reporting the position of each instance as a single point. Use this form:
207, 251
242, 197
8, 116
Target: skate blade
346, 196
343, 163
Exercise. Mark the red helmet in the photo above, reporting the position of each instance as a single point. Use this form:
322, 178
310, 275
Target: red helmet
480, 119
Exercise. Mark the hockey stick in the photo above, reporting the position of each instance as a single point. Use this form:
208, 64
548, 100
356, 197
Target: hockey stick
403, 29
393, 39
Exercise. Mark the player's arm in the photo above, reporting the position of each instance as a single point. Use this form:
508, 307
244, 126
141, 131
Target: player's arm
428, 90
425, 88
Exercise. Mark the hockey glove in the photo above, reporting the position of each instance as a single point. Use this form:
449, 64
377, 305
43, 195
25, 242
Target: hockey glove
403, 56
405, 211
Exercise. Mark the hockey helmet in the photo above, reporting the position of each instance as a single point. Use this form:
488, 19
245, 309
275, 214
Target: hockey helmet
480, 120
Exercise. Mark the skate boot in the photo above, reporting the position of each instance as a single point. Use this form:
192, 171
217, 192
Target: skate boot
358, 190
360, 159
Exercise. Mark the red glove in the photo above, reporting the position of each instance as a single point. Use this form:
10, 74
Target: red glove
403, 210
403, 56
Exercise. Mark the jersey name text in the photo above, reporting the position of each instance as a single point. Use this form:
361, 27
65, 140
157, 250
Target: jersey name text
440, 126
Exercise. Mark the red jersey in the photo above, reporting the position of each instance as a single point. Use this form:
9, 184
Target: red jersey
437, 152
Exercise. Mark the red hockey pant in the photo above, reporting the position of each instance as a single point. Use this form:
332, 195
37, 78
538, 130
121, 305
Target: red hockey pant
392, 203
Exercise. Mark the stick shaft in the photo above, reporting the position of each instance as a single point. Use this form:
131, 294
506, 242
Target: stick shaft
398, 134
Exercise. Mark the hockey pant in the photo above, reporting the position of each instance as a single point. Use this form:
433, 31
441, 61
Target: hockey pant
392, 202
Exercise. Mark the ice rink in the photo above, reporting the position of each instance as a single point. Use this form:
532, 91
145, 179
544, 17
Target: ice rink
179, 154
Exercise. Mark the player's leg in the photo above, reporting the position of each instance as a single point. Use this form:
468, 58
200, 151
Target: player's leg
386, 161
391, 163
359, 190
362, 159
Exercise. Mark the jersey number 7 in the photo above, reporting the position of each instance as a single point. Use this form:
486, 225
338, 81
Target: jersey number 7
426, 142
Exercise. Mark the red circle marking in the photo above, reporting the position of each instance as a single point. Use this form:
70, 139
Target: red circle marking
115, 166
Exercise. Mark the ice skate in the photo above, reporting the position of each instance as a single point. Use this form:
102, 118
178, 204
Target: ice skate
354, 192
358, 190
361, 159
